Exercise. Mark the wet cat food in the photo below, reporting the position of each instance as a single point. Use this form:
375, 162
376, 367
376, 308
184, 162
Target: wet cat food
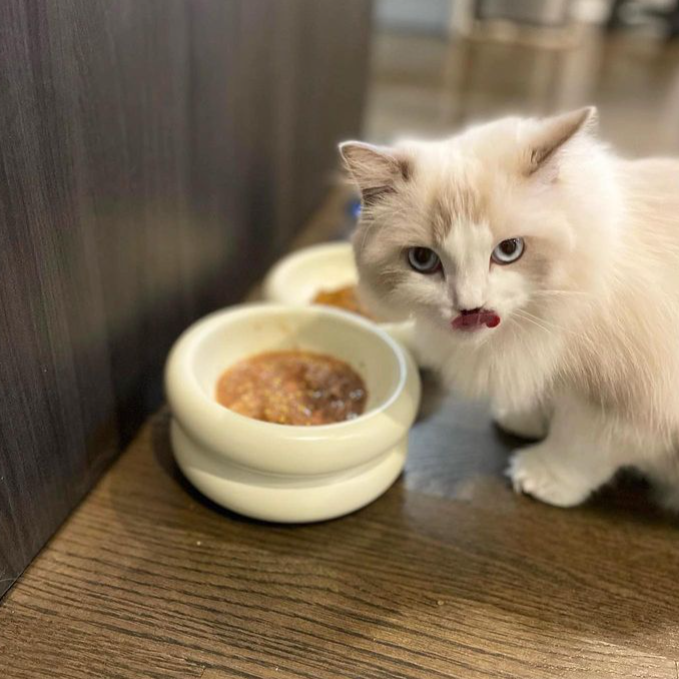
293, 387
344, 298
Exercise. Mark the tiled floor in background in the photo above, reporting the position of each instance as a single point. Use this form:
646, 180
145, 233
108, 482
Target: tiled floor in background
427, 86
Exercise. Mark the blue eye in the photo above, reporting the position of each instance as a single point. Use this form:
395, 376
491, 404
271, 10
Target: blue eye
508, 251
424, 260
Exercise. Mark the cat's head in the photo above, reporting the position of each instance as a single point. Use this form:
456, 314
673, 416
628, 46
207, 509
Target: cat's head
486, 229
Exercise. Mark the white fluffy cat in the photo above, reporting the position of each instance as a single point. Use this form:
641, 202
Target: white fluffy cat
542, 273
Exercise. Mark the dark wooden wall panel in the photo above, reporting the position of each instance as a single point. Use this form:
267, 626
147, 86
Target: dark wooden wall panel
218, 160
335, 47
155, 157
56, 397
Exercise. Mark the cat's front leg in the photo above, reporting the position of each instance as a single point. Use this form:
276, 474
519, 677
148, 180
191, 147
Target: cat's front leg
577, 457
527, 423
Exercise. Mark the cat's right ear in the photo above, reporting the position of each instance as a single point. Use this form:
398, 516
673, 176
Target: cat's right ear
554, 134
376, 170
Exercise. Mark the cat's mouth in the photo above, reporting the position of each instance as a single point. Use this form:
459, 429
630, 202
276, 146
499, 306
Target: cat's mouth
475, 319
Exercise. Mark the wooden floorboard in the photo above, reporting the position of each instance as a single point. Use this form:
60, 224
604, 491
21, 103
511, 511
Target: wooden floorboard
448, 575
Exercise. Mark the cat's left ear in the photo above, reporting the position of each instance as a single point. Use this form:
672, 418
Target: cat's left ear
376, 170
554, 133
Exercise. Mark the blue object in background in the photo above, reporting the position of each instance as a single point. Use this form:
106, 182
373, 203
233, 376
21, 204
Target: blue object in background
354, 209
352, 212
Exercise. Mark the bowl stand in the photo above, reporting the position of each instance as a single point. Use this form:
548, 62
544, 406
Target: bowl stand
285, 498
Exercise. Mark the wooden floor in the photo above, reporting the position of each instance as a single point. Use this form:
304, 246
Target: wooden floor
448, 575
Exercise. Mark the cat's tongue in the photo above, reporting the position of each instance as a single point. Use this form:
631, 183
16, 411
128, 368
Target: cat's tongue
476, 320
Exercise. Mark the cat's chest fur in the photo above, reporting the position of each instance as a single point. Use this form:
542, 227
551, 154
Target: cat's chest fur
515, 368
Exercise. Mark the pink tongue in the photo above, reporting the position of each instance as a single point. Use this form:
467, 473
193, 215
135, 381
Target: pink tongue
476, 320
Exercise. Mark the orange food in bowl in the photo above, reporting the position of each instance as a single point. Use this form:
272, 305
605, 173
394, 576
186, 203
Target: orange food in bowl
293, 387
344, 298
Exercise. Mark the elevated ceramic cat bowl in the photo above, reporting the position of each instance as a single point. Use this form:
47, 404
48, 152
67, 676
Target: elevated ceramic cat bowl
297, 278
280, 472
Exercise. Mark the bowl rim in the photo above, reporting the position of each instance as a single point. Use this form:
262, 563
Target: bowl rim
272, 282
184, 349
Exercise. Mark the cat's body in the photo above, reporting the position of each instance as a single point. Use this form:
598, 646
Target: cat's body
587, 301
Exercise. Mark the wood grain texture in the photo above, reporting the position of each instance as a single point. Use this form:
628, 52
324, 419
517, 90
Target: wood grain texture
447, 575
148, 175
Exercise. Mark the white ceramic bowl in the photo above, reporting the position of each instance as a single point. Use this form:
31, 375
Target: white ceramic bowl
297, 278
280, 472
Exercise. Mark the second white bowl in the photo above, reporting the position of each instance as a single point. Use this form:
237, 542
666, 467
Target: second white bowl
297, 278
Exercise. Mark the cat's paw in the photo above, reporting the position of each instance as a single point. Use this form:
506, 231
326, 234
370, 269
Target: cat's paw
533, 471
529, 424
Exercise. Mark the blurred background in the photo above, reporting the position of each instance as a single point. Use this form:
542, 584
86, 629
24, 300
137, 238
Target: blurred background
157, 156
440, 64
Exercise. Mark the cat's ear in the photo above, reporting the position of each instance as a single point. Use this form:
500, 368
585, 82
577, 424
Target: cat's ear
376, 170
554, 133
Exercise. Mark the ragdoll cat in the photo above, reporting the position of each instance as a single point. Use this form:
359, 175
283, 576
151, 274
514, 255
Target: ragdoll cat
542, 273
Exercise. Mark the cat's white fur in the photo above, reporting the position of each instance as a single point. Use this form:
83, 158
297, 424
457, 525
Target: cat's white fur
588, 348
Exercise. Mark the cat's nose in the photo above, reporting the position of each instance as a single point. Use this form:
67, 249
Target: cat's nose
469, 293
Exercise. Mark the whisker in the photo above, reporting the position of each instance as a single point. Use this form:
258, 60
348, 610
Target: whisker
521, 315
567, 293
